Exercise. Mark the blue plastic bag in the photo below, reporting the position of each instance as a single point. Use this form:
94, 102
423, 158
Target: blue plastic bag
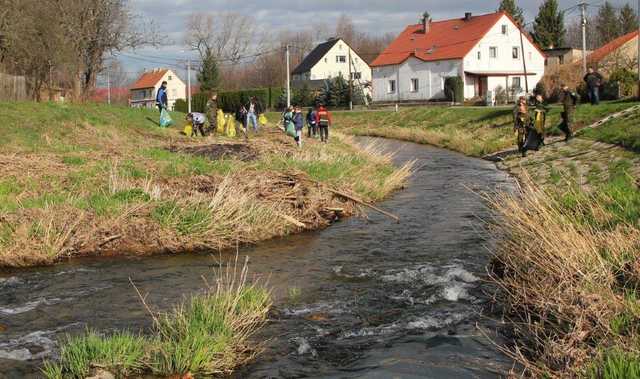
165, 119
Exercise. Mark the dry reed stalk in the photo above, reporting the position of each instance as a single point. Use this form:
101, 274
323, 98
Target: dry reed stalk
558, 278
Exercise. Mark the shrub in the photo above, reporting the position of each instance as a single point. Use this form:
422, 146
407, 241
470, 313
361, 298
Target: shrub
626, 80
454, 89
230, 101
502, 95
198, 103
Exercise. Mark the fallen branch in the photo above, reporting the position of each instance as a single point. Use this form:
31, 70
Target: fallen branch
109, 239
291, 220
361, 202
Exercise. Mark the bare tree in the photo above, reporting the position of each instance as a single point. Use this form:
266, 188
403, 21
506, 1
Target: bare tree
229, 36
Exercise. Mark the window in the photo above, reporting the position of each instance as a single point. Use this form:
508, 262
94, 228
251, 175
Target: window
355, 60
415, 85
493, 52
356, 75
391, 88
341, 58
479, 55
170, 77
326, 60
505, 29
515, 52
515, 83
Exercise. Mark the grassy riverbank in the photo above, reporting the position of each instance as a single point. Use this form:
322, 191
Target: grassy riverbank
568, 263
469, 130
207, 335
93, 179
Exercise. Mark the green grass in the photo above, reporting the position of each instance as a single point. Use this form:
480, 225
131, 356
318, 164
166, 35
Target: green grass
623, 131
474, 131
615, 364
206, 335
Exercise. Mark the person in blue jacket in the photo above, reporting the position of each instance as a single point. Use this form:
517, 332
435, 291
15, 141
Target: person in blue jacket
161, 98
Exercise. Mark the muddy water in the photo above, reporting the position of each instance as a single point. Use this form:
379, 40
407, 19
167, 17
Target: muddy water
362, 299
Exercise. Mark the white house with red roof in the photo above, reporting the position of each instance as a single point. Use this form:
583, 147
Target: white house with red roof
143, 91
485, 51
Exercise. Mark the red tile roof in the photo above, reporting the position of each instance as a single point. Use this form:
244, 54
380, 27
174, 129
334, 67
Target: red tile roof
612, 46
149, 79
446, 39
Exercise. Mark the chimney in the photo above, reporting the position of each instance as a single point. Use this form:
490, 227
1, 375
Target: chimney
426, 22
467, 16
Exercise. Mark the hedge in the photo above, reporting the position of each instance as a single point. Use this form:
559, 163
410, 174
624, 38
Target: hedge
454, 89
230, 101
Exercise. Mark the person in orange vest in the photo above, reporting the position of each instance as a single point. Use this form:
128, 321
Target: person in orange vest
323, 120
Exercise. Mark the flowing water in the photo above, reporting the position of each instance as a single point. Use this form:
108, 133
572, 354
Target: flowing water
366, 298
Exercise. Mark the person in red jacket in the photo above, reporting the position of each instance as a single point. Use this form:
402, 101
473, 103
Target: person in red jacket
323, 120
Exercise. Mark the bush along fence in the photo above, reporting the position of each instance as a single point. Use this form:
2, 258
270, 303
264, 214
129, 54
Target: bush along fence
230, 101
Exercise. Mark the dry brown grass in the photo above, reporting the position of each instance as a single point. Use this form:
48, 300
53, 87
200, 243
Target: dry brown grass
133, 197
567, 285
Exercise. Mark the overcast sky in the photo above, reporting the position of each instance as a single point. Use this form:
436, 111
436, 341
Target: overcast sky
372, 16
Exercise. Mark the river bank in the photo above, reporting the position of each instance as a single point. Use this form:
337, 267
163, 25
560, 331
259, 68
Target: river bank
567, 263
95, 180
367, 297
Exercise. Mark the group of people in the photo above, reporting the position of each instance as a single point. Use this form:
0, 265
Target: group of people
318, 121
247, 115
530, 127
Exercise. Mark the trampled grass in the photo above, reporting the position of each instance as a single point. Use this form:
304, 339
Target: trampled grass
208, 334
77, 175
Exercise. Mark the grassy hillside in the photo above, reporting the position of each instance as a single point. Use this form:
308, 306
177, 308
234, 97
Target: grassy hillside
472, 131
624, 131
82, 179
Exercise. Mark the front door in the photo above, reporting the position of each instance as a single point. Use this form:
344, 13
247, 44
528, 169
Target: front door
483, 85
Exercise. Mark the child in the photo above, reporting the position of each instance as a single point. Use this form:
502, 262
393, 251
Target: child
323, 120
311, 122
287, 121
521, 120
241, 117
197, 120
298, 122
540, 117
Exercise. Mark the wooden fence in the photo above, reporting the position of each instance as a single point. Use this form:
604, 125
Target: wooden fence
13, 87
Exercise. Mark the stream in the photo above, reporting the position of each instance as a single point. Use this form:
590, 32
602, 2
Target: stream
365, 298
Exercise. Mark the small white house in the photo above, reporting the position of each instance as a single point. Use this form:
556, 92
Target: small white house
143, 91
329, 60
485, 51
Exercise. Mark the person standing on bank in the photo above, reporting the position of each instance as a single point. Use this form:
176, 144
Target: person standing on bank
212, 111
593, 80
323, 120
298, 122
161, 97
254, 109
569, 101
311, 121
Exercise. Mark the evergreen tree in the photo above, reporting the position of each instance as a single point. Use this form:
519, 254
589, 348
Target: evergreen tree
510, 7
628, 20
209, 75
548, 28
607, 23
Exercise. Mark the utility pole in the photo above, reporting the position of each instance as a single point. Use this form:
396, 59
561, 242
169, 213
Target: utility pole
524, 61
108, 88
350, 83
583, 6
288, 77
189, 85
